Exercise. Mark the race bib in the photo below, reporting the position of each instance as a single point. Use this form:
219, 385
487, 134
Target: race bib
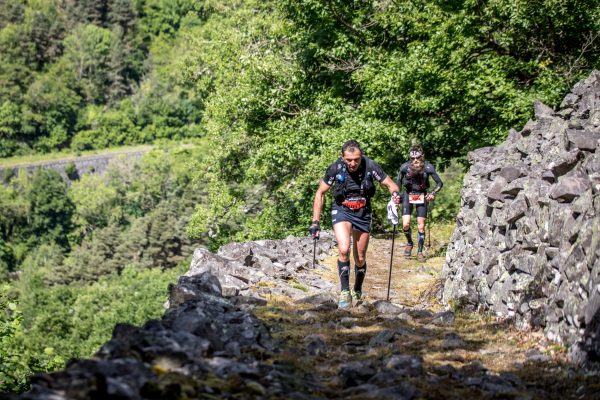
416, 198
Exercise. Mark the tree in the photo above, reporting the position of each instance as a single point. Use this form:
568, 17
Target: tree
123, 14
88, 12
87, 54
158, 239
165, 16
44, 29
11, 12
96, 256
10, 124
96, 205
7, 260
51, 107
15, 72
50, 210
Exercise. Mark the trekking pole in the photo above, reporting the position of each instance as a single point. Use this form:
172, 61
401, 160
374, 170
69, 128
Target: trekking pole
314, 250
315, 238
429, 211
391, 259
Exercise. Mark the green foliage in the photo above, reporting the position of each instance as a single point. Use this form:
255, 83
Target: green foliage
159, 238
165, 17
135, 214
454, 76
104, 128
97, 255
87, 54
50, 209
7, 261
13, 369
51, 106
71, 171
132, 297
17, 361
10, 122
447, 202
96, 204
48, 326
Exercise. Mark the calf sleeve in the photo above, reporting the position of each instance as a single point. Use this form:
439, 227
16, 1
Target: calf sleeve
421, 240
408, 236
359, 277
344, 272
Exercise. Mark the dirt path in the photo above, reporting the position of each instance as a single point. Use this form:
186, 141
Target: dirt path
412, 348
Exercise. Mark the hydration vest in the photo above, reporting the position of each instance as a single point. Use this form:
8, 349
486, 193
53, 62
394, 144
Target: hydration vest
367, 188
416, 180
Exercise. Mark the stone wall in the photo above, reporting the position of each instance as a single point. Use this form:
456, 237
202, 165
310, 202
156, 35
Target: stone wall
94, 164
526, 245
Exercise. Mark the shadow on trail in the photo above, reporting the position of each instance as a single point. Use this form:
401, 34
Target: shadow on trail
364, 354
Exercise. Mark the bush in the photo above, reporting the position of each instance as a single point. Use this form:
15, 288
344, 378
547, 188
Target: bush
71, 171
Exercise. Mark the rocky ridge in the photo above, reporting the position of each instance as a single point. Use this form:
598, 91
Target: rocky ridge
527, 245
208, 343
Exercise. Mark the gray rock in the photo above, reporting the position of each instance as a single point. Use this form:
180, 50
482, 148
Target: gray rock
382, 338
421, 313
402, 391
187, 288
542, 110
318, 298
583, 140
569, 101
510, 173
406, 365
201, 333
315, 344
567, 188
355, 373
443, 318
384, 307
452, 341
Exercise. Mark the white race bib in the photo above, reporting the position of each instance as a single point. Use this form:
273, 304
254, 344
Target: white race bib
416, 198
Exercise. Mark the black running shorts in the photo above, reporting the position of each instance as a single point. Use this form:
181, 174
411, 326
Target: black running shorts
360, 219
407, 207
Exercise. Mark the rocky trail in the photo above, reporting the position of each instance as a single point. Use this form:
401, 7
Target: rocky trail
257, 320
412, 348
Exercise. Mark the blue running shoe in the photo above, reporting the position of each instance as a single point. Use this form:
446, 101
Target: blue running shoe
345, 300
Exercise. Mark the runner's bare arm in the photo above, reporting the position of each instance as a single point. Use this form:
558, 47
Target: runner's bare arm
318, 202
391, 185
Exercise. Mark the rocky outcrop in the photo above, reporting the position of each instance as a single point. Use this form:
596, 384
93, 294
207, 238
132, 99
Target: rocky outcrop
266, 267
208, 344
527, 242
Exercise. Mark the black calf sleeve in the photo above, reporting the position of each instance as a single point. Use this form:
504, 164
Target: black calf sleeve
408, 236
359, 277
344, 272
421, 239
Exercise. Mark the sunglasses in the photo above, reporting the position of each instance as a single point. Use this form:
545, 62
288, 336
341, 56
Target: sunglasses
416, 158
